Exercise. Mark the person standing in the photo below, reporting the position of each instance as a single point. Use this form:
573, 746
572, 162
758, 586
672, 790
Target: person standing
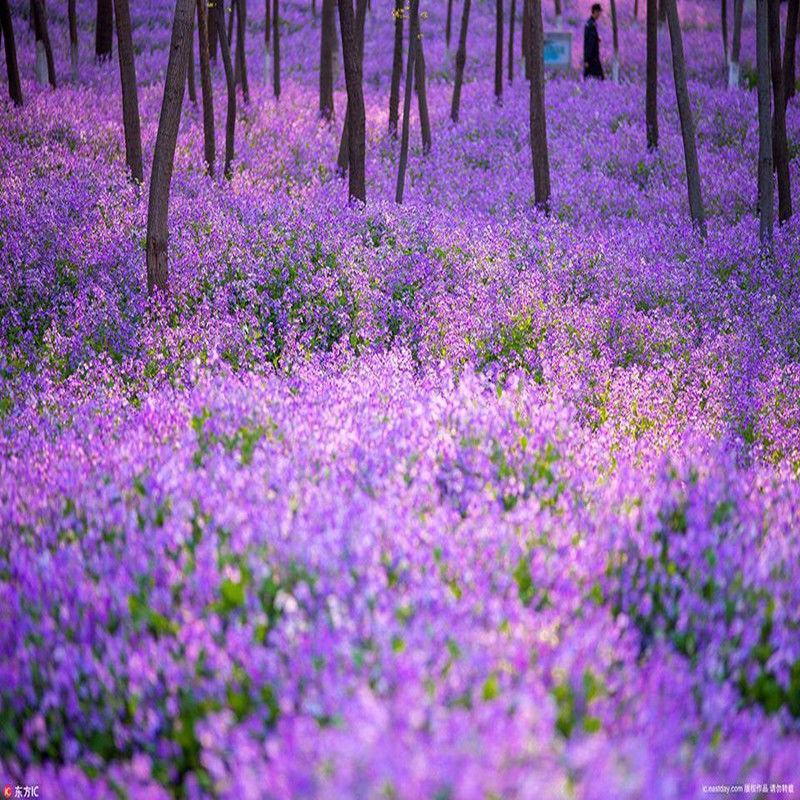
592, 68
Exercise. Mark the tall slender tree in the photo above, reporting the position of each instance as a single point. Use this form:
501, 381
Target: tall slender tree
687, 123
12, 68
538, 120
104, 30
461, 60
212, 32
230, 117
276, 48
792, 23
651, 89
498, 52
164, 153
72, 15
241, 53
526, 35
397, 68
420, 84
615, 42
327, 40
448, 27
130, 99
356, 114
343, 158
44, 52
736, 43
413, 37
207, 91
723, 13
267, 40
190, 70
511, 20
765, 182
780, 148
635, 9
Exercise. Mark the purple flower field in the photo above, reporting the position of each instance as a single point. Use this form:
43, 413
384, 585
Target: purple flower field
448, 500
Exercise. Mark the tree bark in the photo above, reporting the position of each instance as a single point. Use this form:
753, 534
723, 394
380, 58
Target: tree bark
687, 123
498, 52
420, 83
635, 9
104, 30
327, 37
413, 37
397, 68
790, 41
230, 118
538, 120
615, 40
12, 68
461, 60
765, 185
526, 37
206, 88
72, 14
190, 69
356, 122
736, 43
43, 39
448, 28
212, 33
651, 90
241, 53
343, 157
130, 99
511, 20
780, 148
276, 49
724, 26
164, 153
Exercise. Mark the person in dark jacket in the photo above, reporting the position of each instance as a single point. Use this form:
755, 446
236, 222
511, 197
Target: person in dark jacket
592, 68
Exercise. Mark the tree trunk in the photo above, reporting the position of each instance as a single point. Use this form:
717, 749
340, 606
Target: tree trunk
790, 41
190, 69
356, 122
212, 33
526, 38
230, 119
267, 41
413, 37
104, 30
241, 53
209, 139
498, 53
130, 99
420, 84
327, 37
43, 47
72, 14
651, 91
780, 149
559, 17
635, 9
448, 28
343, 157
538, 120
397, 68
687, 123
164, 153
461, 60
12, 68
276, 49
511, 21
724, 26
615, 40
765, 186
736, 42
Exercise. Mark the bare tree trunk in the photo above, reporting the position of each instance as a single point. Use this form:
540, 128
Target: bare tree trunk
765, 185
538, 120
104, 30
449, 24
130, 99
512, 18
615, 39
356, 122
413, 37
736, 43
397, 68
780, 148
241, 53
43, 41
267, 41
724, 26
276, 49
651, 91
790, 41
230, 119
190, 69
526, 38
420, 84
327, 37
12, 68
72, 14
212, 33
209, 139
685, 114
498, 53
343, 157
559, 17
461, 60
635, 9
164, 153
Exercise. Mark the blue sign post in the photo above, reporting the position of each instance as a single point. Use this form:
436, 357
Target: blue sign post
558, 50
